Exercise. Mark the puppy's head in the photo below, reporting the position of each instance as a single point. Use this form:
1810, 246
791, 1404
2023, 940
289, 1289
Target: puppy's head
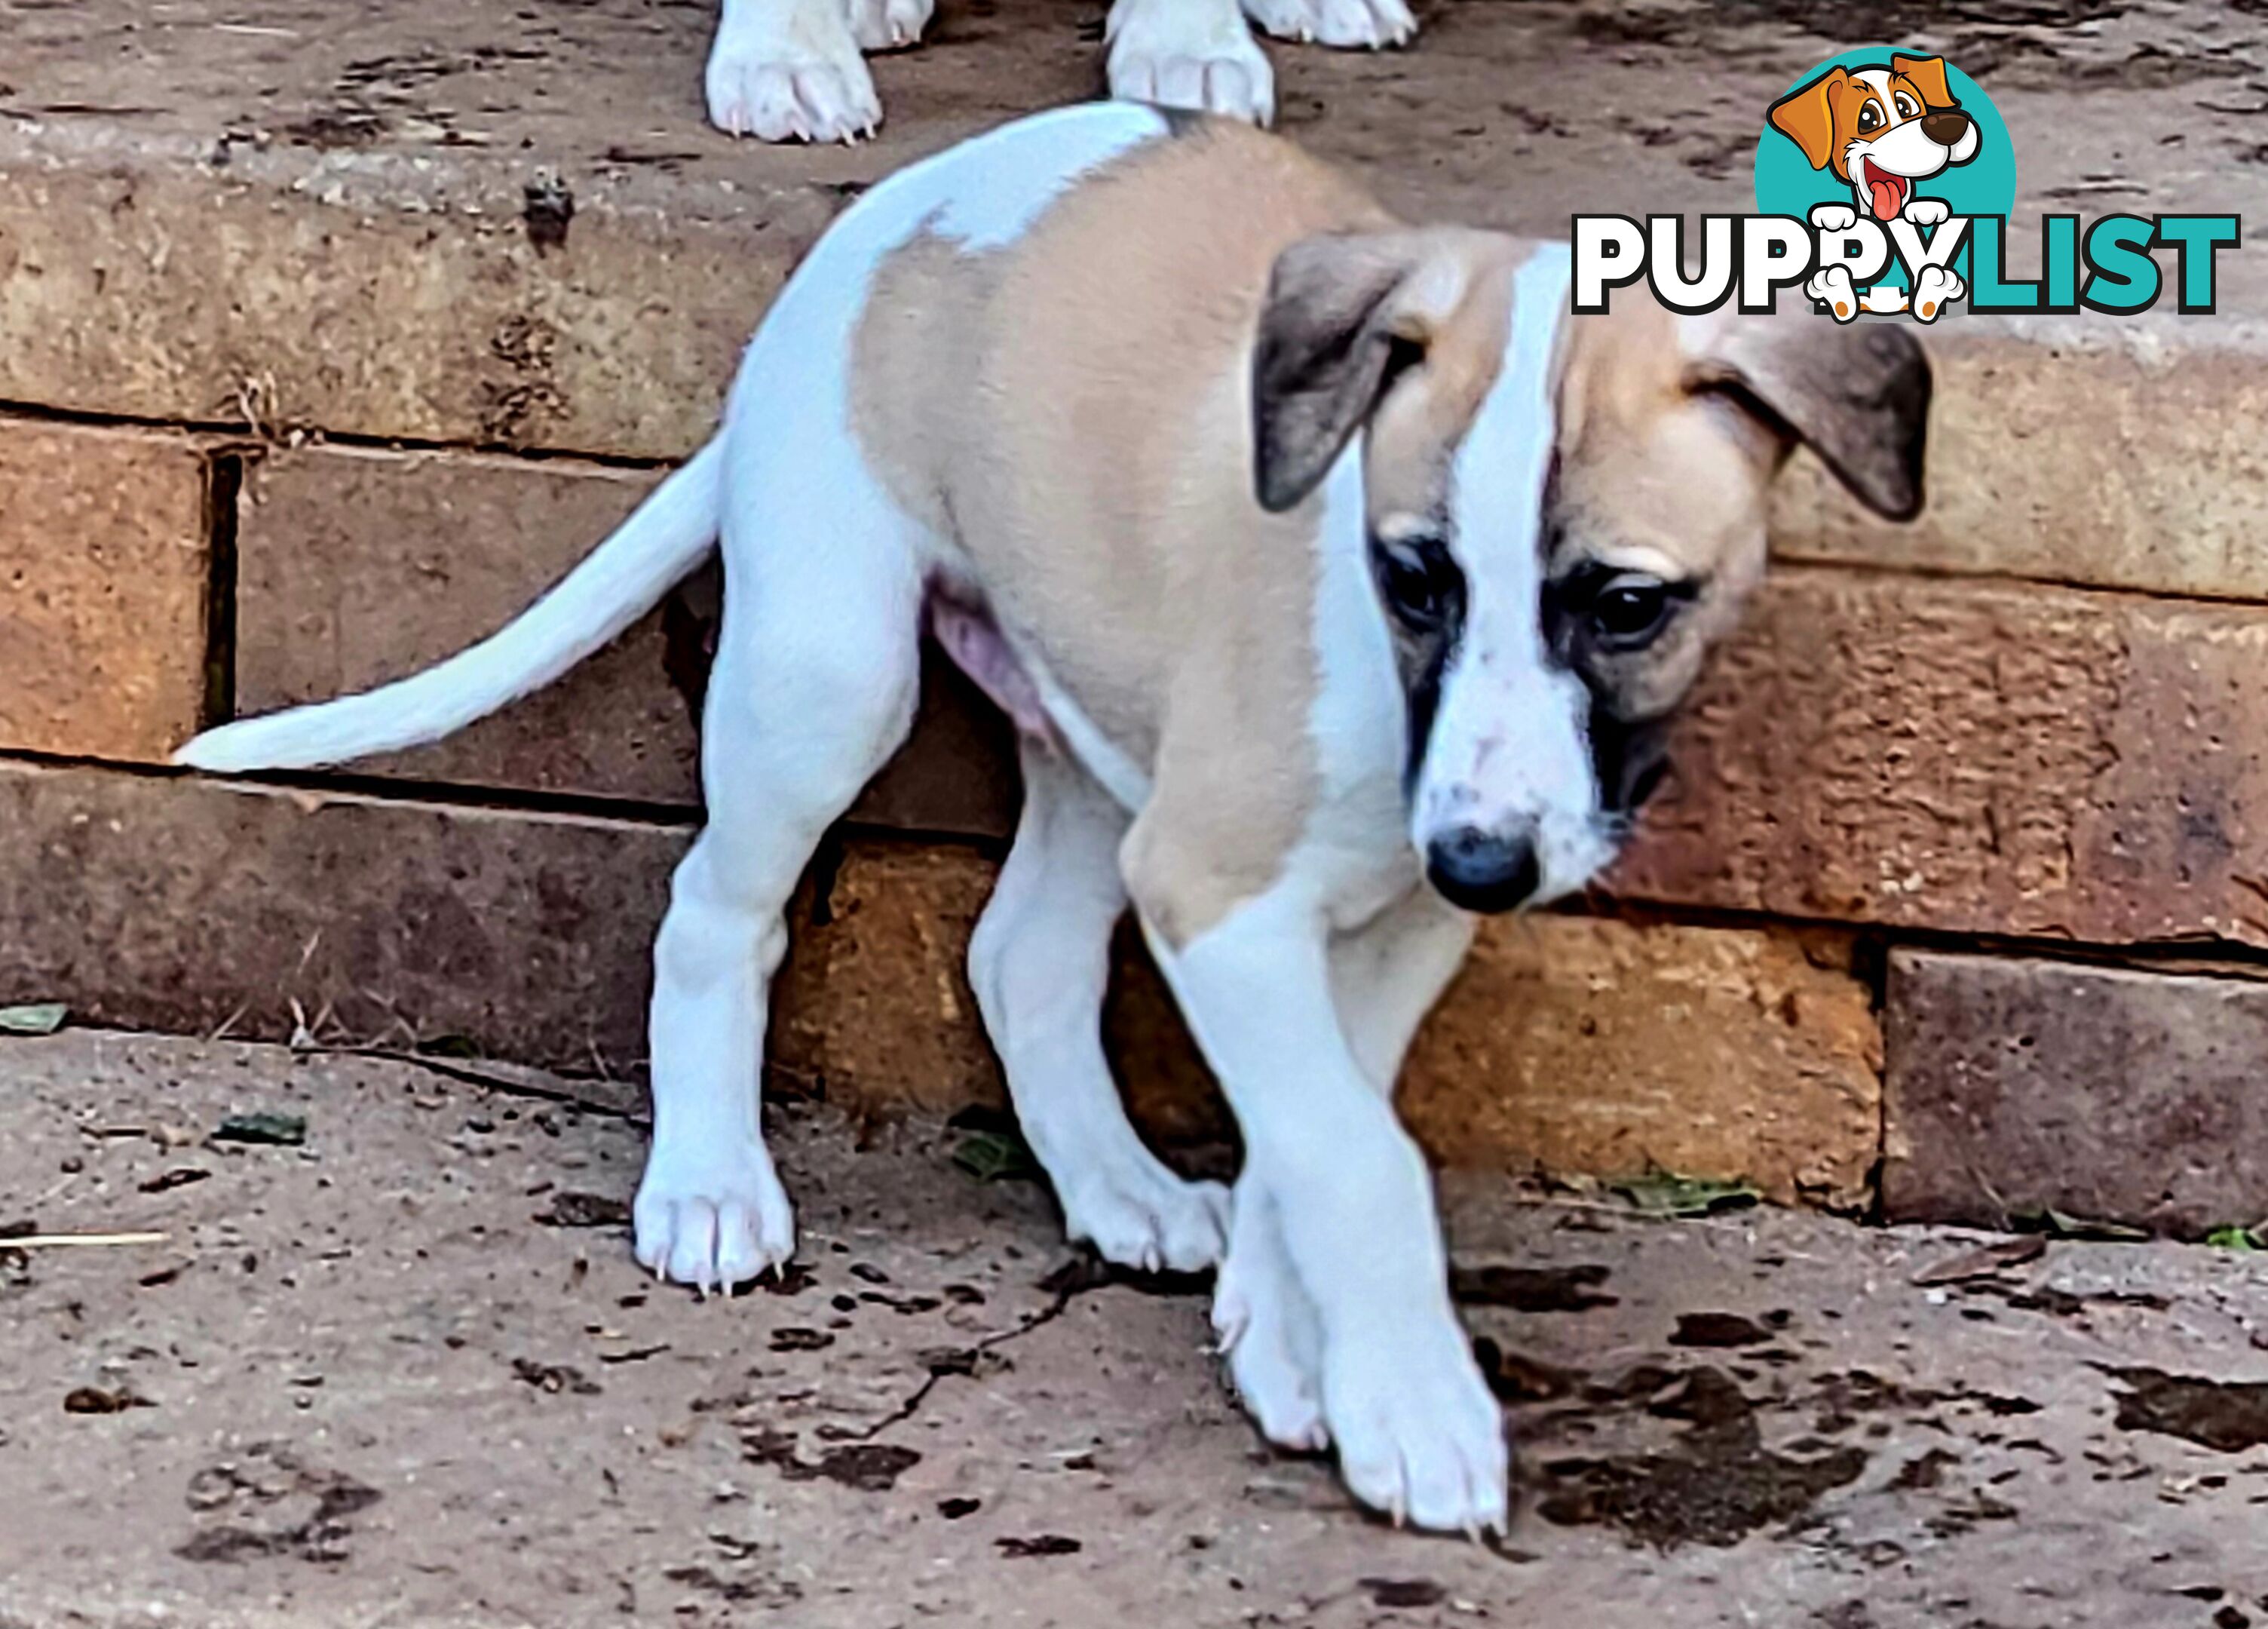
1563, 515
1880, 128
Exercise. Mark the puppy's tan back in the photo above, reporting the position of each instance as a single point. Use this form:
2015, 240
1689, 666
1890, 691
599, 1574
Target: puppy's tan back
1074, 408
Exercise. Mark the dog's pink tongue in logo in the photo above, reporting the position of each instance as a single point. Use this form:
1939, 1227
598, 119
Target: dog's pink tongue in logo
1888, 191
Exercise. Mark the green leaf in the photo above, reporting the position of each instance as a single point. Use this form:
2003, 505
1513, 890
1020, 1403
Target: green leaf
38, 1018
284, 1129
2235, 1237
996, 1157
1662, 1193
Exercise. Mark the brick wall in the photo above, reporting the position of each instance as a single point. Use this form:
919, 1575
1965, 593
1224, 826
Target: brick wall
1954, 910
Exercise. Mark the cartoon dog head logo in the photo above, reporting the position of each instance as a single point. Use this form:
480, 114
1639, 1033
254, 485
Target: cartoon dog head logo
1880, 130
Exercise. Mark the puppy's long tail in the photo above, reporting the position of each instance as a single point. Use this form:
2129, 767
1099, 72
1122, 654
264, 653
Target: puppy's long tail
620, 581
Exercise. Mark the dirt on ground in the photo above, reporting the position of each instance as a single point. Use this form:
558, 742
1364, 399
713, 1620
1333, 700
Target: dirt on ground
399, 1368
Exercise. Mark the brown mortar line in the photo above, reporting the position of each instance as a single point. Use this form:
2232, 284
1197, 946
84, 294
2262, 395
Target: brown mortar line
315, 436
224, 482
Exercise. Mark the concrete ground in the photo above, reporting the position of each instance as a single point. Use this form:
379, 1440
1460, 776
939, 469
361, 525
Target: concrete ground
407, 1373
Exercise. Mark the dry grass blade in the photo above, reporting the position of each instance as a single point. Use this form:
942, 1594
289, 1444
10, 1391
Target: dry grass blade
59, 1240
1985, 1261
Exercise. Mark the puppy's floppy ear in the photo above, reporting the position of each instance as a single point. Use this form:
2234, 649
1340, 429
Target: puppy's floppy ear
1857, 396
1806, 116
1928, 76
1345, 313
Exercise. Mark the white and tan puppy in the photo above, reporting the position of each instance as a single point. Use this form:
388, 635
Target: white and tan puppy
1339, 585
796, 69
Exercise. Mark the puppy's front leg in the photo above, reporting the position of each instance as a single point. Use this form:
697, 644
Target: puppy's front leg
1419, 1434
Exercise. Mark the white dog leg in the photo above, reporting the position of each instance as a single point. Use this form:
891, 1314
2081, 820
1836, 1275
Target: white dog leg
1268, 1329
1193, 54
816, 674
1039, 961
789, 70
1386, 975
1358, 24
1419, 1434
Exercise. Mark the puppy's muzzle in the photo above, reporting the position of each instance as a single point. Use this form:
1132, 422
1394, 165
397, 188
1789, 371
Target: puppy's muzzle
1946, 127
1477, 869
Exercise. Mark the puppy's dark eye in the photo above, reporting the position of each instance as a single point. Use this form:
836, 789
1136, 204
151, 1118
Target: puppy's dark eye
1421, 585
1908, 108
1629, 612
1870, 118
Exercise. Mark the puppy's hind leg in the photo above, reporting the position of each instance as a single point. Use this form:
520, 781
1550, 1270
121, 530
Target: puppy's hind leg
1039, 961
813, 689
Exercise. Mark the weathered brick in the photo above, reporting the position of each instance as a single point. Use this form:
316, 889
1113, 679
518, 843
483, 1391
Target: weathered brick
186, 905
2152, 474
1569, 1044
2016, 1086
356, 567
103, 569
1603, 1047
1954, 756
284, 287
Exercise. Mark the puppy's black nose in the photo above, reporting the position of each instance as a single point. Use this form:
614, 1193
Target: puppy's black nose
1946, 126
1477, 869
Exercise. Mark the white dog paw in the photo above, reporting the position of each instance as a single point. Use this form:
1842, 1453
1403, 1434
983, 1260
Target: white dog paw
1834, 217
1933, 288
889, 25
1420, 1433
1832, 288
1927, 211
805, 81
1145, 1217
1180, 55
713, 1217
1267, 1331
1883, 300
1349, 24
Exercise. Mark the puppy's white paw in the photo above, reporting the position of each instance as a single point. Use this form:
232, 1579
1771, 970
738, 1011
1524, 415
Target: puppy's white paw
801, 80
1267, 1330
1927, 211
1420, 1433
1181, 55
1349, 24
1883, 300
713, 1217
889, 25
1144, 1217
1933, 288
1832, 288
1834, 217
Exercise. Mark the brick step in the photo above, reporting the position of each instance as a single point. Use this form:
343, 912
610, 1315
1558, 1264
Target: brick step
174, 903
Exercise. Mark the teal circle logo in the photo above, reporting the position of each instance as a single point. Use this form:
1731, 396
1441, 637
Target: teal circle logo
1876, 127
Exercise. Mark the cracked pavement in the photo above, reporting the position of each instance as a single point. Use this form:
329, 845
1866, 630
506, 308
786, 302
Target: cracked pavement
407, 1373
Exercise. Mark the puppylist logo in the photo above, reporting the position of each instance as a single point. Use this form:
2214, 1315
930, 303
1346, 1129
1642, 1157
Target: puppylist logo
1885, 181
